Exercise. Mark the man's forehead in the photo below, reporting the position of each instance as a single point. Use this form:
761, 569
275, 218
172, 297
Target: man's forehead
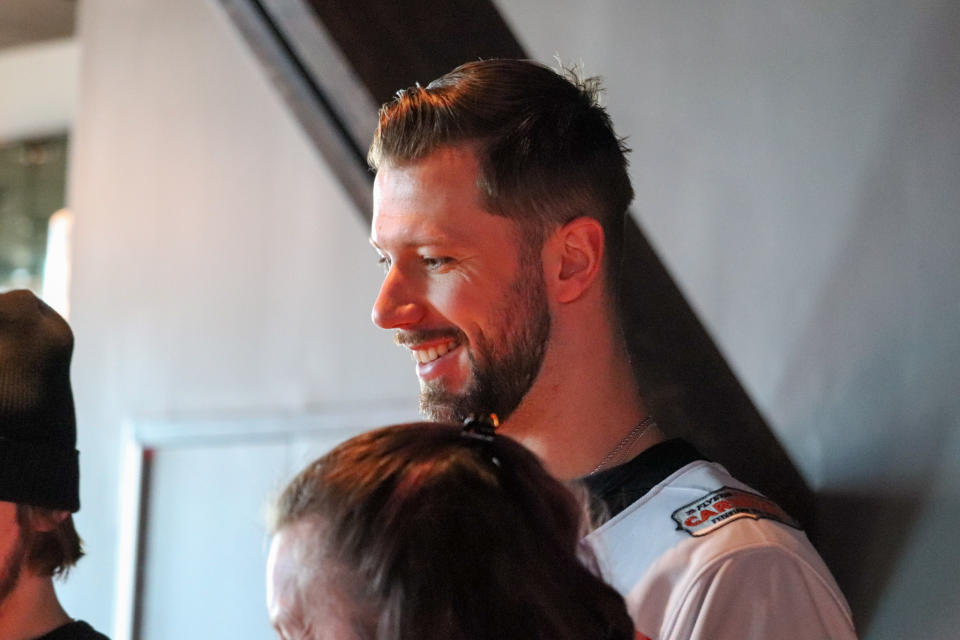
433, 199
414, 229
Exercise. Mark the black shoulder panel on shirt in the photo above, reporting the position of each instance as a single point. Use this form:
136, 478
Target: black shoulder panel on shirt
621, 486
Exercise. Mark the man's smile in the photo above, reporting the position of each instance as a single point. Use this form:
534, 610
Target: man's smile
440, 361
427, 354
434, 351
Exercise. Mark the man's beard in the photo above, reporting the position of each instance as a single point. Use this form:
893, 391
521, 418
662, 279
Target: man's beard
10, 569
503, 368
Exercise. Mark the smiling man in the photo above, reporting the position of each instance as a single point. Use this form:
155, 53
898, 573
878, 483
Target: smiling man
481, 339
501, 259
499, 203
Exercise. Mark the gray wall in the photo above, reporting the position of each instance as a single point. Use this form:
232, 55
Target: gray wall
796, 166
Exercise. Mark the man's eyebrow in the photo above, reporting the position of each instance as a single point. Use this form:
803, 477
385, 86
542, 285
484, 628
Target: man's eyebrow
414, 243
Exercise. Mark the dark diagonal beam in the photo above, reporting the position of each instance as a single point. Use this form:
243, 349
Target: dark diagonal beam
394, 44
334, 108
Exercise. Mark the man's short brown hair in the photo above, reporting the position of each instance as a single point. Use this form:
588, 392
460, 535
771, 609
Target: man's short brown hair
546, 148
53, 552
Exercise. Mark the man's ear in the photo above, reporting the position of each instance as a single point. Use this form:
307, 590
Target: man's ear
42, 520
574, 258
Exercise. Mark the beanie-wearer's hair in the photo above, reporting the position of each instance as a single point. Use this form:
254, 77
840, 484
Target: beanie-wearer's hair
38, 456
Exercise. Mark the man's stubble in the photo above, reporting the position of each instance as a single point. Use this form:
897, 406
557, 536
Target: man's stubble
503, 367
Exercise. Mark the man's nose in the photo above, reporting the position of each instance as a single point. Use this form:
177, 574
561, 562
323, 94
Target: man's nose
396, 305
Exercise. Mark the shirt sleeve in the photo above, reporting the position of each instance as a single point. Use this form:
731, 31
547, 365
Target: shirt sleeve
758, 594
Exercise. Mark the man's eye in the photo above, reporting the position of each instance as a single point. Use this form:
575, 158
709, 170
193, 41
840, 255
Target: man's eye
384, 263
431, 262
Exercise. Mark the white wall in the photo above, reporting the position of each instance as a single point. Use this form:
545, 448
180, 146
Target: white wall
796, 166
39, 88
218, 268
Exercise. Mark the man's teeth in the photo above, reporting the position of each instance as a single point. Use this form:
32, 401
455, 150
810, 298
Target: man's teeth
423, 356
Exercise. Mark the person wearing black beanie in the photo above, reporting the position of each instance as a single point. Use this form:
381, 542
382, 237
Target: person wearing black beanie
39, 472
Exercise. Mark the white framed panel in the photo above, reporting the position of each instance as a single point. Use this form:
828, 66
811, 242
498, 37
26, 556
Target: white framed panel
193, 539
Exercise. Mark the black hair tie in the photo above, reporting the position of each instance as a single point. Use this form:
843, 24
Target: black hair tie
482, 427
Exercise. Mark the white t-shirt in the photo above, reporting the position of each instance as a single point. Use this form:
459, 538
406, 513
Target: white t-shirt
702, 556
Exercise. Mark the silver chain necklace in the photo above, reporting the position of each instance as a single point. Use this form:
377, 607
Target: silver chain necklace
635, 434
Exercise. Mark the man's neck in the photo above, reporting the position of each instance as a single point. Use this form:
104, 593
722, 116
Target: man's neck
582, 405
32, 609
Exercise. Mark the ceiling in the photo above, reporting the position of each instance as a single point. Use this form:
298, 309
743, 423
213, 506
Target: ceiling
28, 21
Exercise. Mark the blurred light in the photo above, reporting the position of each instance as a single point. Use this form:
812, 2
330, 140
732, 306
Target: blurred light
56, 265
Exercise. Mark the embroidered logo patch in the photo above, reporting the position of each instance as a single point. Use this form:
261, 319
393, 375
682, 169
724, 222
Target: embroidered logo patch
720, 507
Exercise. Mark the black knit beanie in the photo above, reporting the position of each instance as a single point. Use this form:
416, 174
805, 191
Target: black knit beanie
38, 433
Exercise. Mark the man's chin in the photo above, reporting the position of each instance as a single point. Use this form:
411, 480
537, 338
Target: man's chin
438, 411
440, 405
